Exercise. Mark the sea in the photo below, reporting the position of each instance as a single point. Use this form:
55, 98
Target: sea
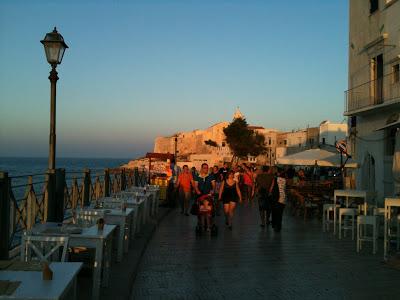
19, 168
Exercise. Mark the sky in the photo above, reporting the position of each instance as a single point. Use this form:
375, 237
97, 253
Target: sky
135, 70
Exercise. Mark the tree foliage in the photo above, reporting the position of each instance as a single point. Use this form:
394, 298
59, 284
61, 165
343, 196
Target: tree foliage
244, 141
211, 143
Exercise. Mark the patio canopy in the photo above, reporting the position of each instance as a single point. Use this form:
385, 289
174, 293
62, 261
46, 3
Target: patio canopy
323, 158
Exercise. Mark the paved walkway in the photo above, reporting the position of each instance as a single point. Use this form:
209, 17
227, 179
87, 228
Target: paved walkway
301, 262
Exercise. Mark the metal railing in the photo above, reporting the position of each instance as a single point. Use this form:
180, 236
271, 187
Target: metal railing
29, 199
372, 93
28, 203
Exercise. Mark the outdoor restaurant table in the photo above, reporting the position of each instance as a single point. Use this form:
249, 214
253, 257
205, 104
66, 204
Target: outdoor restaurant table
136, 205
389, 203
63, 285
124, 220
349, 194
90, 237
155, 195
140, 203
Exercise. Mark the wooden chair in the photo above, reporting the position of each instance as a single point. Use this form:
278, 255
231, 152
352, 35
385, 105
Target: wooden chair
44, 248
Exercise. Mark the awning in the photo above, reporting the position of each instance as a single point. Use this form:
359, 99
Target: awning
393, 120
323, 158
161, 156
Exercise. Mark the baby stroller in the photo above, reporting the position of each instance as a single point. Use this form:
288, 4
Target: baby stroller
205, 215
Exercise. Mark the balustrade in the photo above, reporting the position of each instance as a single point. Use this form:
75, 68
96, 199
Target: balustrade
29, 199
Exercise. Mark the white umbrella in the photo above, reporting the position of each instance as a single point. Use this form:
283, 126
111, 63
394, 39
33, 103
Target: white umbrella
323, 158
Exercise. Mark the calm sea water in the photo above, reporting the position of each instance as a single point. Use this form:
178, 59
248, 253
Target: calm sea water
18, 168
32, 165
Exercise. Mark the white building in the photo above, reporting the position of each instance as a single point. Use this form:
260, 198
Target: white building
330, 133
373, 98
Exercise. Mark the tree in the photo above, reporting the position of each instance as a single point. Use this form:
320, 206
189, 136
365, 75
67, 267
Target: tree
211, 143
244, 141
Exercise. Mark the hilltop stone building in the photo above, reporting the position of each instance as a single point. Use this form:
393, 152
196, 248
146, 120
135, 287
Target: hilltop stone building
191, 148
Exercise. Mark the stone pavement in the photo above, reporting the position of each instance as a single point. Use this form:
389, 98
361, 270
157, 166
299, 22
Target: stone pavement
301, 262
122, 274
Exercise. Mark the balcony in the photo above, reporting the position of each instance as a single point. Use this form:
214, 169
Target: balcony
373, 94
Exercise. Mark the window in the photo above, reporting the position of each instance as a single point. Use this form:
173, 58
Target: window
395, 71
269, 139
373, 6
323, 141
285, 142
223, 144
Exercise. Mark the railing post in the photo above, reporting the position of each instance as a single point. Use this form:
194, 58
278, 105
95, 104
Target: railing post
107, 182
136, 176
4, 215
60, 186
51, 196
123, 180
86, 187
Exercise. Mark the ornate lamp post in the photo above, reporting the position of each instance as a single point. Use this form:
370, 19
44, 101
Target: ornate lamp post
54, 47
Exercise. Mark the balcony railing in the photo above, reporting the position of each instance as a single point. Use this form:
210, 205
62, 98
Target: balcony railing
372, 93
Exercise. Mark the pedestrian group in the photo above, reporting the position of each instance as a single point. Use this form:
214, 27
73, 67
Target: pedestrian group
227, 187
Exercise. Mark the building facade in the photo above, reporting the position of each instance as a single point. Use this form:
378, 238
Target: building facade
372, 100
330, 133
191, 147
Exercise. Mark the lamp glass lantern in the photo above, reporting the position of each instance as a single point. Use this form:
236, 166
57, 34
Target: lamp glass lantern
54, 47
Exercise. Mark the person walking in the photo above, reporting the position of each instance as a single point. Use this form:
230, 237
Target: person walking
183, 185
263, 189
248, 182
229, 194
279, 204
224, 171
218, 180
204, 183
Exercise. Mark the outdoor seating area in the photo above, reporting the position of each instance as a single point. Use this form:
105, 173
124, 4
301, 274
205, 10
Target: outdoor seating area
307, 198
58, 251
355, 213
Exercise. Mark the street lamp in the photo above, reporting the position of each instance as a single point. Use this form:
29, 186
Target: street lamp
54, 47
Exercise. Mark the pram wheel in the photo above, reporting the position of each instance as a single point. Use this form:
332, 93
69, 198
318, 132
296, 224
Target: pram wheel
214, 230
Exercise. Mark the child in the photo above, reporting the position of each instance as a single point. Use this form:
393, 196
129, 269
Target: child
205, 211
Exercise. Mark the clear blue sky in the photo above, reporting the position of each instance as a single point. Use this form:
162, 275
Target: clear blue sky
139, 69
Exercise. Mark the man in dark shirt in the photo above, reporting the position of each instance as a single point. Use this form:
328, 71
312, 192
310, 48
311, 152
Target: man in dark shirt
204, 182
263, 188
224, 171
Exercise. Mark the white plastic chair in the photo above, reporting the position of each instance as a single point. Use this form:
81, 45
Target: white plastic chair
350, 213
45, 248
362, 222
326, 213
